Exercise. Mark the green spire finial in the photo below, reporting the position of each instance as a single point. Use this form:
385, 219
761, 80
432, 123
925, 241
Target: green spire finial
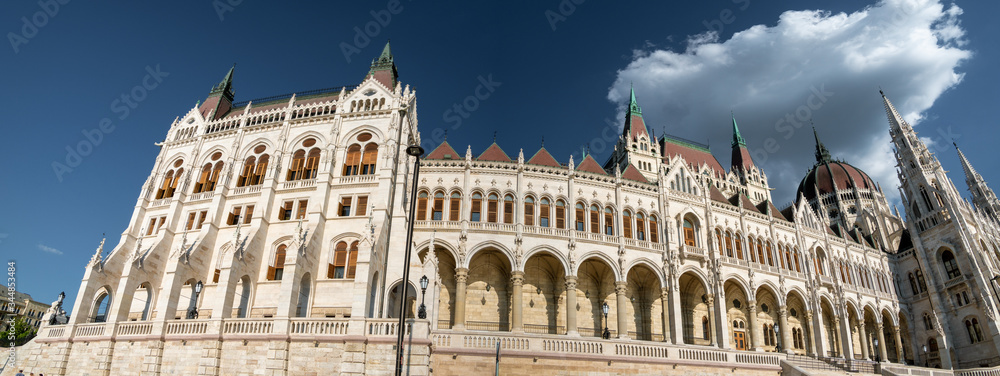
386, 52
226, 85
737, 137
633, 106
822, 155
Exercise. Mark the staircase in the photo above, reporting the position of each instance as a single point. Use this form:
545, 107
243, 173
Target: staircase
831, 366
812, 364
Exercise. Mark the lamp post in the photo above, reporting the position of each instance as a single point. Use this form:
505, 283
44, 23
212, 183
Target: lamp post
926, 361
878, 353
422, 312
414, 151
607, 333
777, 340
193, 309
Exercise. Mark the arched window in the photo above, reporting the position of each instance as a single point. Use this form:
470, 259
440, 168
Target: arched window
260, 170
950, 265
421, 206
476, 211
718, 242
580, 217
101, 307
277, 268
353, 160
247, 173
640, 226
751, 253
508, 209
969, 330
170, 180
689, 233
654, 230
770, 259
704, 327
437, 213
920, 281
369, 159
627, 224
927, 199
455, 207
338, 266
529, 211
913, 284
977, 329
595, 218
297, 166
609, 221
203, 180
312, 164
796, 256
738, 244
788, 258
492, 205
760, 253
544, 213
560, 214
729, 244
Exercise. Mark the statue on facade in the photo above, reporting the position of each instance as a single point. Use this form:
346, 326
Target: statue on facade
56, 314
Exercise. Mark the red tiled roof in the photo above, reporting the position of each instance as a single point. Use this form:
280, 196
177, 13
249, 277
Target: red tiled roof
633, 173
741, 157
444, 151
695, 155
543, 158
717, 195
637, 127
493, 154
590, 165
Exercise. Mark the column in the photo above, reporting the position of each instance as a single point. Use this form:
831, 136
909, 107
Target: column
711, 318
881, 343
843, 349
864, 341
517, 323
899, 346
571, 306
665, 303
755, 331
461, 276
786, 335
811, 333
620, 289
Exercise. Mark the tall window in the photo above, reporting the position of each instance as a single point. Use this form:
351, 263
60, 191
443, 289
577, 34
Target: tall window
609, 221
437, 213
312, 164
477, 207
369, 159
422, 206
688, 233
529, 211
277, 268
240, 213
920, 281
345, 261
297, 167
950, 265
738, 244
770, 259
760, 253
640, 226
301, 213
362, 206
508, 209
718, 242
170, 180
704, 327
209, 177
455, 207
795, 256
595, 218
581, 217
751, 253
345, 206
352, 162
544, 212
654, 229
729, 244
285, 213
627, 224
492, 205
560, 214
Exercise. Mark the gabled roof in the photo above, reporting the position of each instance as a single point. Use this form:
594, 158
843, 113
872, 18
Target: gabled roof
493, 154
694, 153
590, 165
742, 201
717, 195
632, 173
768, 207
905, 242
788, 213
543, 158
444, 151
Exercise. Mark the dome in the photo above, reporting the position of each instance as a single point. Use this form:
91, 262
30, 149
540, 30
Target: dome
832, 176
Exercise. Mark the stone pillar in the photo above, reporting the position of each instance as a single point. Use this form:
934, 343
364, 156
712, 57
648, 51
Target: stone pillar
620, 288
811, 333
461, 276
862, 332
755, 331
786, 335
711, 318
881, 343
571, 306
845, 346
665, 303
517, 323
899, 346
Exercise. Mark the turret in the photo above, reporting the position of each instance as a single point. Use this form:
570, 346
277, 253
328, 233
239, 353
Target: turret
220, 99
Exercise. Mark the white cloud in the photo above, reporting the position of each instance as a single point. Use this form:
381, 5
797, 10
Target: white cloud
772, 78
48, 249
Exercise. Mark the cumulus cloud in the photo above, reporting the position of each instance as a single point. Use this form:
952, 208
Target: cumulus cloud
812, 67
47, 249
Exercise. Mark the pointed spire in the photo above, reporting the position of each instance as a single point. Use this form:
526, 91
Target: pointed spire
384, 68
895, 119
226, 85
737, 137
741, 156
386, 51
822, 155
633, 105
634, 124
970, 173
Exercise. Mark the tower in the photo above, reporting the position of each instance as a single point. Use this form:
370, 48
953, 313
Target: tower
220, 99
635, 146
749, 176
983, 197
383, 69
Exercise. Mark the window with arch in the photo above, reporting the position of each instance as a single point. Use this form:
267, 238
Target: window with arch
352, 163
738, 245
654, 229
927, 199
345, 261
974, 331
492, 206
437, 212
508, 209
170, 180
609, 221
751, 253
950, 265
254, 167
455, 207
305, 163
704, 327
627, 224
102, 305
718, 242
529, 211
760, 253
476, 211
928, 322
770, 259
277, 267
689, 233
796, 256
422, 198
920, 280
544, 212
729, 244
640, 226
369, 159
209, 176
560, 214
788, 258
595, 219
580, 217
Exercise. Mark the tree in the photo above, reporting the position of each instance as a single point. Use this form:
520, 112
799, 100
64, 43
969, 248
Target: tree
23, 332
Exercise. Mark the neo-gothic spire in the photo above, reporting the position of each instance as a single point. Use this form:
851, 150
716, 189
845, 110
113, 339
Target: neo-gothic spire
737, 137
384, 68
822, 155
634, 124
982, 196
220, 99
225, 87
741, 156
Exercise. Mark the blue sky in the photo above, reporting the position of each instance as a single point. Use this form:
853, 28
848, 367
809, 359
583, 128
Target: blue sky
562, 68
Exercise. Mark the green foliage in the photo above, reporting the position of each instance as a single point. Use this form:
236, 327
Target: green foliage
23, 332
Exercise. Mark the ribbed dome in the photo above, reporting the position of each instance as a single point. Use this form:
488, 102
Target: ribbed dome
832, 176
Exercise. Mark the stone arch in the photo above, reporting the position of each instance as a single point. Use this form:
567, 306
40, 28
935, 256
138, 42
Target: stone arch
142, 299
351, 135
645, 261
395, 295
799, 328
247, 150
447, 287
206, 156
643, 291
737, 311
768, 308
544, 286
296, 142
440, 246
242, 296
486, 246
695, 312
604, 258
546, 249
596, 279
770, 286
100, 305
829, 319
304, 299
489, 288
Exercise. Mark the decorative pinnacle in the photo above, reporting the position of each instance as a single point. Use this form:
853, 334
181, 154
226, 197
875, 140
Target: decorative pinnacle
822, 155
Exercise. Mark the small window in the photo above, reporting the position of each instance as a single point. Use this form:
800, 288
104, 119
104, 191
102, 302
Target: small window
301, 214
362, 206
455, 207
345, 207
950, 265
285, 213
201, 218
437, 212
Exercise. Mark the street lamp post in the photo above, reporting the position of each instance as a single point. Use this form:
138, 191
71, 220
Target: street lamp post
422, 312
777, 340
414, 151
878, 353
926, 361
193, 309
607, 333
